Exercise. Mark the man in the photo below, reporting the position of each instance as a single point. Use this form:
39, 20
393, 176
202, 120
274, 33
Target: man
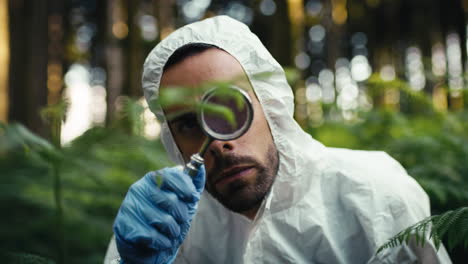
274, 195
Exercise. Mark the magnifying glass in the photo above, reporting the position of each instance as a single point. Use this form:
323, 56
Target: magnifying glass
232, 120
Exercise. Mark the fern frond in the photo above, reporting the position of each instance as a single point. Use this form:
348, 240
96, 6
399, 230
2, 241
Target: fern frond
459, 231
453, 224
24, 258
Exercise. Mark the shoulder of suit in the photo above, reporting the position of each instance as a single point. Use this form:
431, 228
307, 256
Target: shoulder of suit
373, 176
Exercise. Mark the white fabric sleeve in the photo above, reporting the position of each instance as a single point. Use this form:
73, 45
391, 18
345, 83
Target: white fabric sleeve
112, 255
181, 258
408, 205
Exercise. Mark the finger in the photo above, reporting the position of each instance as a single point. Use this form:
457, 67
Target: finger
169, 202
163, 222
138, 206
175, 180
131, 253
131, 235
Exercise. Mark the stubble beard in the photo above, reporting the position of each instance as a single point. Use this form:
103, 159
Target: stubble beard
240, 195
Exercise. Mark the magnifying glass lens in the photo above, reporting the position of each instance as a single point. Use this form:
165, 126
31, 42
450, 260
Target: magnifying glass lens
233, 117
219, 124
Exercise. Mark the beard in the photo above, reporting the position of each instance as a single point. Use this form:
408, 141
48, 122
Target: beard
240, 195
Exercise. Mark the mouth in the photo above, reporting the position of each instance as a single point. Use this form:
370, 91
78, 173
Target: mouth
233, 173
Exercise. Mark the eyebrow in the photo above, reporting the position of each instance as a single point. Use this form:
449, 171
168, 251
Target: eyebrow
180, 116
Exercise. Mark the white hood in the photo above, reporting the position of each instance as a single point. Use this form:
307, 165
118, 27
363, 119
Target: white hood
325, 206
295, 147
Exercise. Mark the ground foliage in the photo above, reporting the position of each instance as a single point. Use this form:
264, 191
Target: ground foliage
96, 170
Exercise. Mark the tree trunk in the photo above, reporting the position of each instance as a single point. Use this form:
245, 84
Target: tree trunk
28, 64
4, 60
275, 33
134, 51
56, 21
165, 15
114, 62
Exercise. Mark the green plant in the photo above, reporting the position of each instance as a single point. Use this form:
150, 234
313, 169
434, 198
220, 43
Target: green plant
453, 224
95, 172
55, 114
22, 258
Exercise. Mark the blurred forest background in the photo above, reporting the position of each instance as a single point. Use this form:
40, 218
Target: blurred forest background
75, 132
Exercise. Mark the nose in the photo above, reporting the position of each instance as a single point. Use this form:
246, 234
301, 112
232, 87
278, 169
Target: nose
217, 148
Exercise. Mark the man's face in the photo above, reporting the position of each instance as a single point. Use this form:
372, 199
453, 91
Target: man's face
240, 172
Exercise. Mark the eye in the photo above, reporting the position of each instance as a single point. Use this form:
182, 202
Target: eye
186, 125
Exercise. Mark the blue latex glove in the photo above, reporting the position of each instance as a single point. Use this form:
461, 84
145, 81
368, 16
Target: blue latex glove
155, 215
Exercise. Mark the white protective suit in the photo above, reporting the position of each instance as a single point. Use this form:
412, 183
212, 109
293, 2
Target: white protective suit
326, 205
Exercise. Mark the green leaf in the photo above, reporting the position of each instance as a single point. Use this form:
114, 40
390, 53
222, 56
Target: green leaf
158, 179
175, 95
221, 111
454, 223
292, 75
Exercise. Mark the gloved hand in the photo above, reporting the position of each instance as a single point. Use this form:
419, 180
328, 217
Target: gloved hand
155, 215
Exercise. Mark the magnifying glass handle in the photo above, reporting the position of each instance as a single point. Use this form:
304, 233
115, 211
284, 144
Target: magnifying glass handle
194, 165
196, 160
